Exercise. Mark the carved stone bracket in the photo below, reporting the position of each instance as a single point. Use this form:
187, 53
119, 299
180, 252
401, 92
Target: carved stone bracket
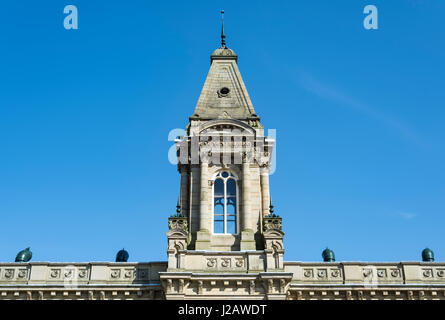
178, 223
272, 223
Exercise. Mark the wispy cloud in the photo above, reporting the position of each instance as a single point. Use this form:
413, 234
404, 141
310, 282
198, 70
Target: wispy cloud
407, 215
325, 91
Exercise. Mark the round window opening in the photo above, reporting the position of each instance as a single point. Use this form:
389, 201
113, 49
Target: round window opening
224, 91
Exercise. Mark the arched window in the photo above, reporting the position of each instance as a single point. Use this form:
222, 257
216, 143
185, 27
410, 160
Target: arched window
224, 203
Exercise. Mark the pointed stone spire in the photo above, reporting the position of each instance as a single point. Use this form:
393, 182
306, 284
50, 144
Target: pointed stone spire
224, 94
223, 36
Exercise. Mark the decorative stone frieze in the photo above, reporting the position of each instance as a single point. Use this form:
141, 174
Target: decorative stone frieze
178, 223
14, 272
185, 285
272, 222
387, 293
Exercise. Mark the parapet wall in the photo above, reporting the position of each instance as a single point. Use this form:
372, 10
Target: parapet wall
218, 275
366, 273
81, 281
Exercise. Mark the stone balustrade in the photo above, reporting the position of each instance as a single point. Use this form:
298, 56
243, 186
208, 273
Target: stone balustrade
221, 274
366, 273
304, 273
46, 273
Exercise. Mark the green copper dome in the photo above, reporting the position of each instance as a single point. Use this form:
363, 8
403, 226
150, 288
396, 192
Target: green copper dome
328, 255
427, 255
24, 255
122, 256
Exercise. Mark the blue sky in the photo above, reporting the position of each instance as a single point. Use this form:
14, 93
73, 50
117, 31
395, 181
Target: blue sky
85, 115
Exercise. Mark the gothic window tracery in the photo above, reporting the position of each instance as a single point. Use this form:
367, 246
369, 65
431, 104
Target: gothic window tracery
225, 203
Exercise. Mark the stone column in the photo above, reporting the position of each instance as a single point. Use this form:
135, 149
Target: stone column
204, 218
247, 235
203, 235
265, 192
184, 192
195, 196
245, 221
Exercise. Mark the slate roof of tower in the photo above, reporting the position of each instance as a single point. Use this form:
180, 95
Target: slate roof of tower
213, 102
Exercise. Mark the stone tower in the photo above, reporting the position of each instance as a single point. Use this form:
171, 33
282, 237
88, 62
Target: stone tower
224, 163
224, 223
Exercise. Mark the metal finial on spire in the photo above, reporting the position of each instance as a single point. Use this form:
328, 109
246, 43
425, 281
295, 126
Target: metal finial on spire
271, 206
223, 36
178, 207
